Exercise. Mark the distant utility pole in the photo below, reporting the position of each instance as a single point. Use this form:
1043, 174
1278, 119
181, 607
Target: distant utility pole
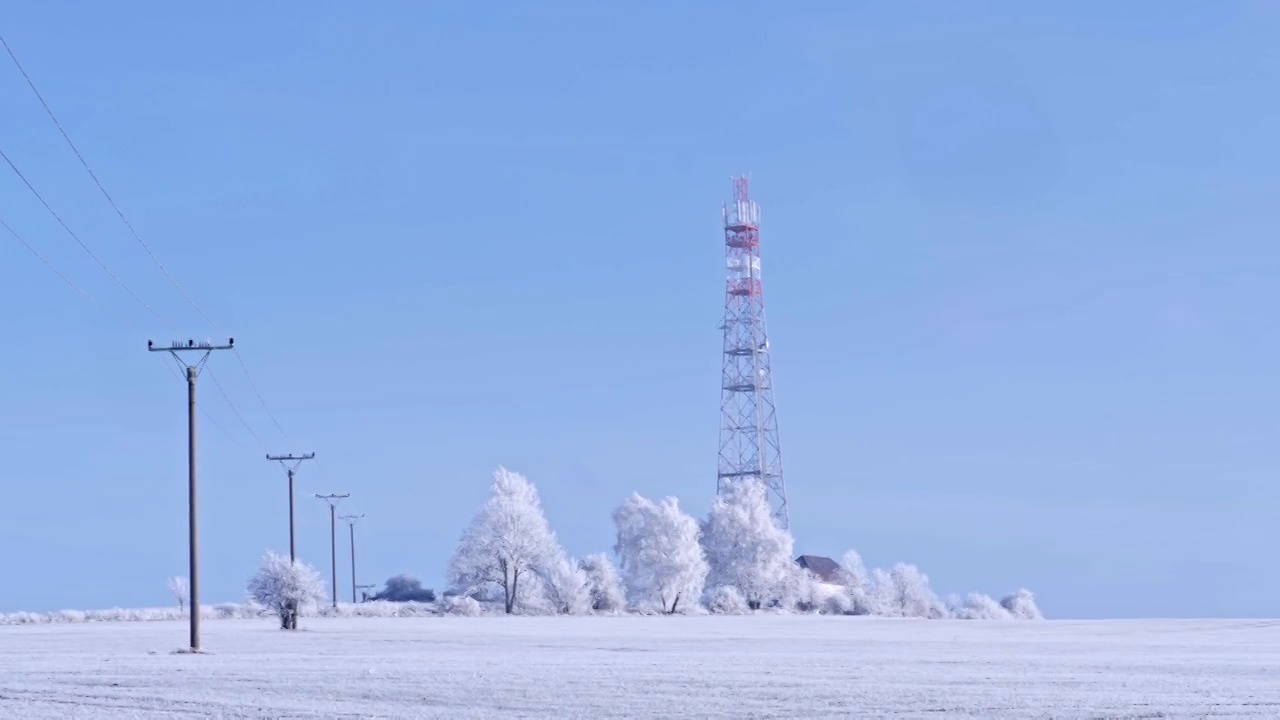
351, 523
333, 499
193, 371
284, 461
365, 590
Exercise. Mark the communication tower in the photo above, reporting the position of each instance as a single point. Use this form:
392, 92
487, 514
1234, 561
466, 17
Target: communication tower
748, 419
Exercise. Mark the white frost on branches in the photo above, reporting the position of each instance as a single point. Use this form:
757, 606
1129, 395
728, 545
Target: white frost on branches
1022, 605
746, 548
181, 590
566, 587
912, 595
659, 552
853, 576
727, 600
981, 607
508, 541
604, 584
285, 587
881, 593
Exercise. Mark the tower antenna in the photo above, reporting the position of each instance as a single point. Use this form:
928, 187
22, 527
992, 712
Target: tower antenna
748, 418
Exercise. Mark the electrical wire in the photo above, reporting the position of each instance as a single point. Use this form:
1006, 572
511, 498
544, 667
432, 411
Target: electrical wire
79, 242
231, 405
56, 123
132, 231
17, 236
48, 264
119, 282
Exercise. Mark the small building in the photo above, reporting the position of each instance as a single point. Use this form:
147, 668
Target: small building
823, 568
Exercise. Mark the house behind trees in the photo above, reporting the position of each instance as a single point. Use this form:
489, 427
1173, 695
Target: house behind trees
823, 568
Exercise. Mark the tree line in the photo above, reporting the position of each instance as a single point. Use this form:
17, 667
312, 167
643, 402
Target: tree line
738, 559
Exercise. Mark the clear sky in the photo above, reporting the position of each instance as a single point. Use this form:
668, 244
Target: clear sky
1020, 267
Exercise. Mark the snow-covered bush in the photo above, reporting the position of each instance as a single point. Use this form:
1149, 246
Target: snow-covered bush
981, 607
508, 539
463, 605
604, 584
380, 609
658, 550
181, 590
285, 587
745, 547
837, 603
221, 611
727, 600
1022, 605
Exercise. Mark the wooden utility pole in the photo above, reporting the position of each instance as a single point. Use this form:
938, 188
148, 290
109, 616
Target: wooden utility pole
192, 372
333, 499
291, 622
291, 470
351, 521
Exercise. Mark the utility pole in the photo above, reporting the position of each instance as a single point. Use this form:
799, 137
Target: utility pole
333, 499
192, 372
291, 470
351, 524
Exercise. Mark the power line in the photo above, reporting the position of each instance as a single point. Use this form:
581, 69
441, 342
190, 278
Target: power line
121, 283
48, 110
254, 387
31, 248
132, 231
231, 405
80, 242
48, 264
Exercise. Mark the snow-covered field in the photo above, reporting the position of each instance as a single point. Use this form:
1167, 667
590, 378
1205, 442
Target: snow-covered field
708, 666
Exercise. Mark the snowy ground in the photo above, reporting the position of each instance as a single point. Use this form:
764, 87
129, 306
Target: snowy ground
589, 667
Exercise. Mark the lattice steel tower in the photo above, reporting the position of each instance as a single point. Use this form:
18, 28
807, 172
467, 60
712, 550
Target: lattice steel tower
748, 419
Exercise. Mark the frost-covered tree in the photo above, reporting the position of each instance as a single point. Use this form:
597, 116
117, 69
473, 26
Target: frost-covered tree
285, 587
853, 572
745, 546
658, 550
181, 590
1022, 605
882, 594
507, 540
566, 587
913, 597
853, 576
604, 584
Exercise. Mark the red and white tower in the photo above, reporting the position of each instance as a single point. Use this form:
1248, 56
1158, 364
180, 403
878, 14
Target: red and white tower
748, 419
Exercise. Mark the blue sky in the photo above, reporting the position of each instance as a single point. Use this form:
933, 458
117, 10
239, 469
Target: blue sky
1019, 261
